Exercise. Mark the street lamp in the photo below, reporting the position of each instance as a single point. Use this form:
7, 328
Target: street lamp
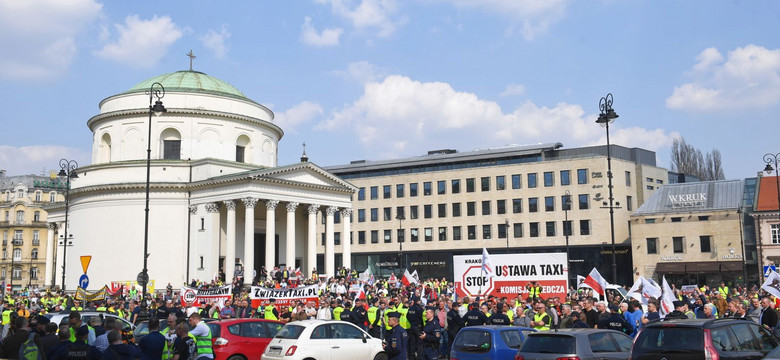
400, 216
768, 158
506, 233
606, 117
155, 91
68, 171
567, 226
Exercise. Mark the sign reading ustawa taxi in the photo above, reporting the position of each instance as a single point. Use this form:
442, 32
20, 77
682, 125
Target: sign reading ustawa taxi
511, 274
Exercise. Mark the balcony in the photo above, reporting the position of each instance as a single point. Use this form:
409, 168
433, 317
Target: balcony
36, 242
18, 242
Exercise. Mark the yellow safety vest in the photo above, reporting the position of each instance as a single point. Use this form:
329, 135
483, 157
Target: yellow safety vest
6, 316
540, 317
386, 316
535, 291
337, 312
269, 313
203, 343
403, 321
723, 290
166, 349
372, 314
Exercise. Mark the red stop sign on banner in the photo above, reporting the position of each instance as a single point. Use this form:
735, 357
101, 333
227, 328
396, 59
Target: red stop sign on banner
475, 283
8, 287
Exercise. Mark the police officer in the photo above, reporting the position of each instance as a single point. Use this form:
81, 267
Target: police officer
414, 316
374, 316
500, 317
454, 323
431, 336
614, 321
346, 314
270, 312
337, 310
395, 347
475, 317
361, 315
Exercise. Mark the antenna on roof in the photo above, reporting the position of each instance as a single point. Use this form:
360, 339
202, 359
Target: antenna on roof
192, 57
304, 158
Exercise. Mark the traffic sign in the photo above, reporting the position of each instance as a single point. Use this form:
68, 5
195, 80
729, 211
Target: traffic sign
768, 270
8, 287
84, 281
142, 278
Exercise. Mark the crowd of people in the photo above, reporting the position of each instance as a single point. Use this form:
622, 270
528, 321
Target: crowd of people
417, 320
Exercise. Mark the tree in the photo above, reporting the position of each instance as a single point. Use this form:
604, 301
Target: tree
687, 159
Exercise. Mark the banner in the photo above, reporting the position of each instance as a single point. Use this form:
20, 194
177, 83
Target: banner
511, 274
284, 297
125, 286
688, 290
85, 295
194, 297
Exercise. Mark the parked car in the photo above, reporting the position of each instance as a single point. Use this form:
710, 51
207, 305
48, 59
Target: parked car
61, 318
142, 329
488, 342
323, 340
580, 344
726, 338
242, 339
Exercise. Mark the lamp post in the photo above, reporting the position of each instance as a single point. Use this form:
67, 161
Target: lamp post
742, 245
506, 233
768, 159
606, 117
68, 171
155, 91
400, 216
567, 226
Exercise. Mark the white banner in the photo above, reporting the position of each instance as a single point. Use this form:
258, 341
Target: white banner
284, 297
511, 274
195, 297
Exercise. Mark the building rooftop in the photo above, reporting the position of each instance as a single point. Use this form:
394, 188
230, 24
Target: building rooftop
767, 194
189, 80
694, 197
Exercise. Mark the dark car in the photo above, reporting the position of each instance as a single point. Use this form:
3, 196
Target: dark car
488, 342
582, 344
726, 338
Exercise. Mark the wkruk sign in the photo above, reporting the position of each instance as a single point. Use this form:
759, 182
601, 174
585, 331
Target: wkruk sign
511, 274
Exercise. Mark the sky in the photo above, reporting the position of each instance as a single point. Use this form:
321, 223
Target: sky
381, 79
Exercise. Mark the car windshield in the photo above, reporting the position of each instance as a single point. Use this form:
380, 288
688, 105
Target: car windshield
473, 341
216, 330
670, 339
512, 338
548, 343
290, 332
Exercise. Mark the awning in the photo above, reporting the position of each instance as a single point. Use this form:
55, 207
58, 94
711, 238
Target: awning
670, 268
697, 267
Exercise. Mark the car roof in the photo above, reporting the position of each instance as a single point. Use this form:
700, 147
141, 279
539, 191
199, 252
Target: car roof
498, 327
240, 320
703, 323
310, 322
571, 332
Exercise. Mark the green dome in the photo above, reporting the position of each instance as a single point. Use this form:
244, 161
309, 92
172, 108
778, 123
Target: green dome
191, 81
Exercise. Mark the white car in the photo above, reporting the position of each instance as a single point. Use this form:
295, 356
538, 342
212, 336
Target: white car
322, 340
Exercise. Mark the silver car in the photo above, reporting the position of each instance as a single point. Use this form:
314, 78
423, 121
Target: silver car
61, 318
583, 344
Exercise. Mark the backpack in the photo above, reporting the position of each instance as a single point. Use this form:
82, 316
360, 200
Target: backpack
29, 350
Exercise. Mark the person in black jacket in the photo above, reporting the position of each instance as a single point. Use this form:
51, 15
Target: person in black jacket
414, 316
397, 339
475, 317
12, 343
500, 317
347, 315
615, 322
768, 317
454, 324
361, 316
431, 335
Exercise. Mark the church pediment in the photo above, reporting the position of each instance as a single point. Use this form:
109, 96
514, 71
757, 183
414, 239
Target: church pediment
303, 173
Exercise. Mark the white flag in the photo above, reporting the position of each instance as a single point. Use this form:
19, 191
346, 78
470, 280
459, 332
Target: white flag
667, 299
365, 275
486, 265
772, 284
644, 290
416, 277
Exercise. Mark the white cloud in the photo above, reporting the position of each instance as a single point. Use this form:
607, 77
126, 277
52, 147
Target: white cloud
301, 113
38, 37
215, 41
35, 159
362, 72
513, 90
400, 116
141, 43
532, 16
748, 77
368, 14
310, 36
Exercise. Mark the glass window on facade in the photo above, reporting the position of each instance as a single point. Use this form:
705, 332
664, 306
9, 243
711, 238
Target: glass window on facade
361, 215
172, 149
582, 176
550, 228
706, 243
517, 206
649, 221
584, 201
374, 193
361, 194
677, 244
456, 235
470, 185
442, 209
486, 232
517, 181
414, 235
629, 203
533, 205
413, 189
428, 234
652, 245
532, 180
387, 192
387, 213
399, 190
455, 184
455, 209
567, 228
484, 183
549, 179
500, 182
628, 178
500, 207
361, 237
471, 232
565, 177
427, 211
374, 214
427, 188
375, 236
775, 229
566, 202
549, 203
400, 213
584, 227
533, 229
471, 208
502, 231
413, 212
517, 230
400, 234
388, 236
442, 233
486, 207
441, 187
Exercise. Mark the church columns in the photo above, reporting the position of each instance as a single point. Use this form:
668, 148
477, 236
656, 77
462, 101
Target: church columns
290, 241
230, 241
330, 263
311, 239
249, 240
50, 246
346, 246
213, 261
270, 234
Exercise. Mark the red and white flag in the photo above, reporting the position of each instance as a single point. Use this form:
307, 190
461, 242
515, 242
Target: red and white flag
298, 273
486, 265
596, 282
667, 299
407, 279
361, 294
